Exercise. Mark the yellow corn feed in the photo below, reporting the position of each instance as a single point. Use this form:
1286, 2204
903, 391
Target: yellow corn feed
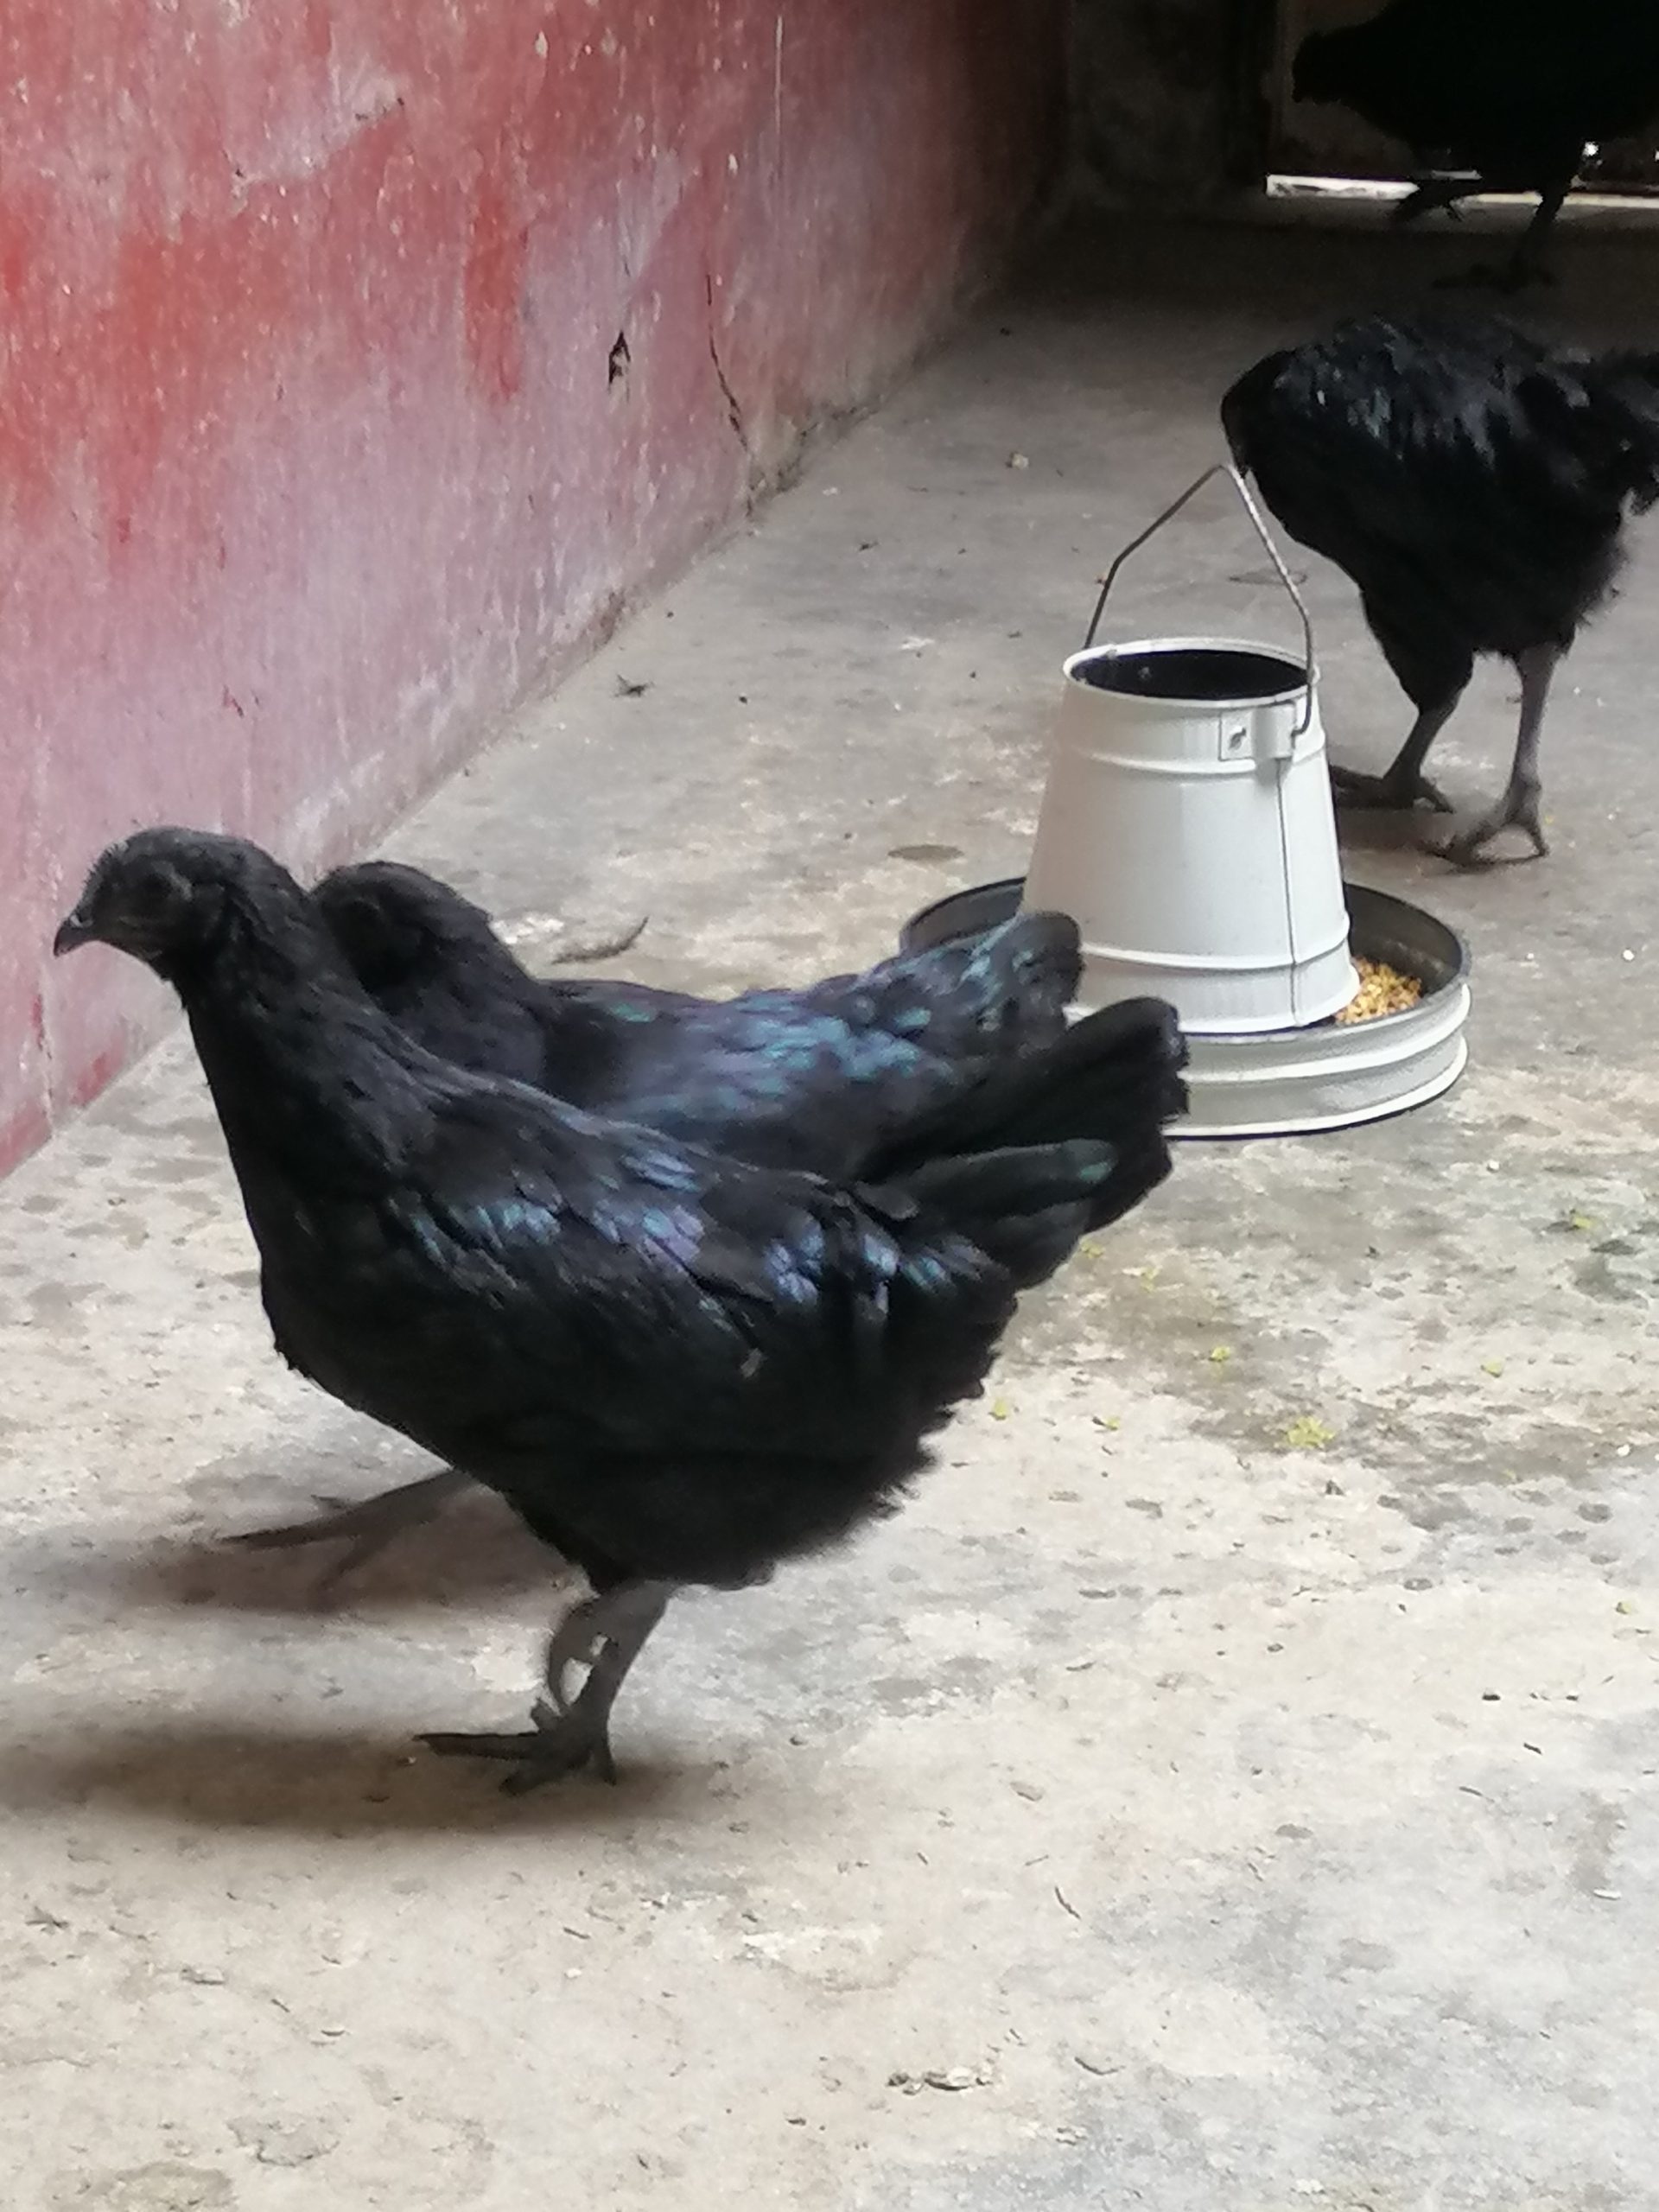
1382, 990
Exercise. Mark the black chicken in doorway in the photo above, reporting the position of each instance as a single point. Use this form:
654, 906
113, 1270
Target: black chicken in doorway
1473, 483
676, 1367
1508, 94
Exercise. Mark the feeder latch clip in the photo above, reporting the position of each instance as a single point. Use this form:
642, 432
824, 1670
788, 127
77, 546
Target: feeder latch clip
1266, 734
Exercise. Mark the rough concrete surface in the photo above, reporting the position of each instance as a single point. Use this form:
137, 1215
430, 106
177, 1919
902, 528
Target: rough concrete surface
1155, 1813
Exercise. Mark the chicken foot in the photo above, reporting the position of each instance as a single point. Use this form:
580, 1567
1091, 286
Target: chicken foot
1518, 806
1403, 784
1433, 196
606, 1634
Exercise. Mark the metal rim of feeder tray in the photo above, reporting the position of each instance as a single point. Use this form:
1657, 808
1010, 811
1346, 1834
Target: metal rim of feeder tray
1297, 1082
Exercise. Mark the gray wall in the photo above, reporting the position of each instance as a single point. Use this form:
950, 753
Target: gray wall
1162, 97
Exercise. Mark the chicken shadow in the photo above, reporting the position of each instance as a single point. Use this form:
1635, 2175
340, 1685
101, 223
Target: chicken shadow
338, 1783
1413, 839
1374, 829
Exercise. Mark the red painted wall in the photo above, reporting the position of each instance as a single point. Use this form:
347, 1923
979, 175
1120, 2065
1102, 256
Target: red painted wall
312, 460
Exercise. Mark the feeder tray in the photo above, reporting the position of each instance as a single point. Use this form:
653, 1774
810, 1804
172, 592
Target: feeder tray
1290, 1081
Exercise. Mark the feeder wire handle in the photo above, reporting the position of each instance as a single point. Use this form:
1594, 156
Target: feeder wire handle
1247, 498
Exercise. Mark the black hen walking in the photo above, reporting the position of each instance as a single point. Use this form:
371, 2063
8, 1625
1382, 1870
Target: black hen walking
810, 1078
1511, 92
676, 1367
782, 1078
1473, 483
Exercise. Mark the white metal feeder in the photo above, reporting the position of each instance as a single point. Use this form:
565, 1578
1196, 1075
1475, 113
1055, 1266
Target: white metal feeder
1187, 824
1187, 827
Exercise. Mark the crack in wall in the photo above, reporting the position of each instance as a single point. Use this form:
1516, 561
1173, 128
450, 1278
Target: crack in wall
733, 409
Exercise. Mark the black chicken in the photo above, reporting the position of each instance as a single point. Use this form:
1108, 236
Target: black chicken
1510, 90
1473, 483
676, 1367
811, 1079
782, 1078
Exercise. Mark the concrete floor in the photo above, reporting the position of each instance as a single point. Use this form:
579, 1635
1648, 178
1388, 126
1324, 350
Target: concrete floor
1155, 1813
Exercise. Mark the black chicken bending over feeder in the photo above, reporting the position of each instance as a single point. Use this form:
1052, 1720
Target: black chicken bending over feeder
1473, 483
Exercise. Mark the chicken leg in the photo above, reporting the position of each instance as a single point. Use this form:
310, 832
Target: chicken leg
1526, 264
367, 1527
1403, 784
1518, 807
1433, 196
606, 1634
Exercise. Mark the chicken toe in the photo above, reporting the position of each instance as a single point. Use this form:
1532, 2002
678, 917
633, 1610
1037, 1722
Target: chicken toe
605, 1633
1516, 809
559, 1744
1391, 791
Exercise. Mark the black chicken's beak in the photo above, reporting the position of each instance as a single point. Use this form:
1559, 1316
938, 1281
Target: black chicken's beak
74, 929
